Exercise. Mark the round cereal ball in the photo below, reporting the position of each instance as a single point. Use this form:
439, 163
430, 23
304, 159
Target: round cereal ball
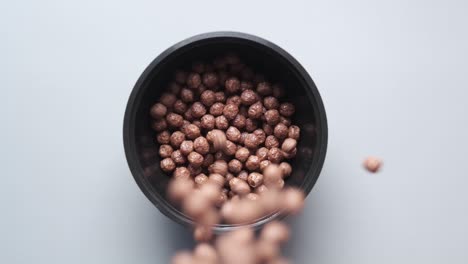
249, 97
251, 141
198, 110
230, 111
220, 97
219, 167
285, 168
372, 164
272, 117
200, 179
267, 129
167, 165
167, 99
158, 111
180, 107
207, 122
180, 76
197, 123
217, 179
260, 135
177, 138
210, 79
201, 145
239, 121
271, 142
242, 137
217, 109
278, 90
264, 164
194, 171
195, 159
270, 103
164, 137
192, 131
242, 154
285, 121
243, 175
246, 85
186, 95
252, 163
235, 100
178, 157
291, 154
181, 173
159, 125
235, 166
208, 98
287, 109
251, 124
232, 85
288, 145
264, 88
255, 110
186, 147
233, 134
165, 151
262, 153
174, 120
271, 175
217, 138
221, 122
239, 186
193, 80
275, 155
280, 131
294, 132
255, 179
230, 148
188, 115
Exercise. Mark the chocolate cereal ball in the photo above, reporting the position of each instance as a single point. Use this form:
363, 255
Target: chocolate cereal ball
194, 170
286, 109
275, 155
249, 97
198, 110
272, 117
288, 145
239, 121
285, 168
220, 97
255, 179
271, 142
270, 102
192, 131
210, 79
165, 151
233, 134
217, 109
235, 166
174, 120
177, 138
243, 175
178, 157
221, 122
193, 80
195, 159
280, 131
167, 99
264, 164
235, 100
180, 107
167, 165
208, 98
232, 85
201, 145
251, 124
186, 95
230, 148
262, 153
164, 137
208, 122
181, 173
260, 135
255, 110
159, 125
242, 154
294, 132
264, 89
219, 167
267, 129
158, 111
200, 179
252, 163
230, 111
251, 141
285, 121
186, 147
217, 138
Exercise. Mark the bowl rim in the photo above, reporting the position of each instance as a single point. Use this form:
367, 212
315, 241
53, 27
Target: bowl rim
130, 151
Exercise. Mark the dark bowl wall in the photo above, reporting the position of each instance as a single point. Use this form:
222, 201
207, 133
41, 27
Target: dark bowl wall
262, 56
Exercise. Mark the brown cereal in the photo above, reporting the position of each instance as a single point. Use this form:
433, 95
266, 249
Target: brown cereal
287, 109
208, 122
235, 100
242, 154
239, 121
252, 163
262, 153
285, 168
249, 97
194, 170
186, 147
178, 157
294, 132
271, 142
210, 79
251, 141
264, 88
230, 148
221, 122
198, 110
180, 107
232, 85
243, 175
285, 121
200, 179
246, 85
260, 135
235, 166
255, 179
255, 110
208, 160
177, 138
270, 102
230, 111
272, 117
261, 189
291, 154
159, 125
233, 134
264, 164
222, 77
220, 97
165, 151
181, 173
275, 155
201, 145
208, 98
288, 145
372, 164
167, 165
188, 115
192, 131
251, 124
239, 186
278, 90
217, 138
242, 137
193, 80
168, 99
158, 111
219, 166
186, 95
217, 109
218, 179
195, 159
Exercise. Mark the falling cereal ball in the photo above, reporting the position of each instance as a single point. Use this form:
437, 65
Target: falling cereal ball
183, 257
205, 253
292, 200
372, 164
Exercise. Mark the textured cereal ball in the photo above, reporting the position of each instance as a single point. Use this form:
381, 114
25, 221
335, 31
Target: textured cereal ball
260, 135
275, 155
200, 179
242, 137
233, 134
219, 167
208, 122
218, 179
239, 121
278, 90
208, 98
235, 166
165, 151
272, 117
372, 164
280, 131
186, 147
251, 124
174, 120
264, 88
246, 85
239, 186
181, 173
232, 85
255, 179
249, 97
201, 145
287, 109
178, 157
294, 132
164, 137
243, 175
192, 131
271, 142
242, 154
177, 138
188, 115
230, 148
195, 159
220, 97
198, 110
167, 99
208, 160
221, 122
285, 121
180, 107
252, 163
159, 125
186, 95
270, 102
271, 175
167, 165
217, 109
235, 100
262, 153
285, 168
291, 154
193, 80
230, 111
251, 141
264, 164
217, 138
158, 111
288, 145
255, 110
178, 189
180, 77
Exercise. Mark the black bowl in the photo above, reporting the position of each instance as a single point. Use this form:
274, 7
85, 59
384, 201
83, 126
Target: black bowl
260, 54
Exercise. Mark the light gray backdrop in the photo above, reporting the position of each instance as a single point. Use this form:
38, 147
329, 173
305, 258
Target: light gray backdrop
393, 76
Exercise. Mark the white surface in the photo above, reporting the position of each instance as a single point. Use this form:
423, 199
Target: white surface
393, 76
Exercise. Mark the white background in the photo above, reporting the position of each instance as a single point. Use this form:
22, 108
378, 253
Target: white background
393, 76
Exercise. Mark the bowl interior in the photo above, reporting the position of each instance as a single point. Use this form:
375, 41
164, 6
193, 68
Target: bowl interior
274, 63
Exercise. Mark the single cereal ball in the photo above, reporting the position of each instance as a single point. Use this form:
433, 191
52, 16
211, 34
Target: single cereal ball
235, 100
233, 134
251, 141
287, 109
208, 122
372, 164
291, 154
197, 123
262, 153
159, 125
158, 111
210, 79
294, 132
186, 95
255, 179
292, 200
275, 155
230, 148
275, 232
193, 80
174, 120
243, 175
181, 173
280, 131
251, 124
232, 85
272, 174
267, 129
164, 137
285, 168
177, 138
167, 99
198, 110
219, 167
180, 107
252, 163
230, 111
165, 151
208, 160
221, 122
271, 142
242, 154
167, 165
217, 109
261, 136
239, 186
192, 131
186, 147
195, 159
180, 76
261, 189
249, 97
196, 205
278, 90
217, 178
178, 157
272, 117
264, 164
235, 166
288, 145
255, 110
208, 98
270, 103
200, 179
220, 97
285, 121
264, 88
239, 121
201, 145
179, 189
205, 253
217, 138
